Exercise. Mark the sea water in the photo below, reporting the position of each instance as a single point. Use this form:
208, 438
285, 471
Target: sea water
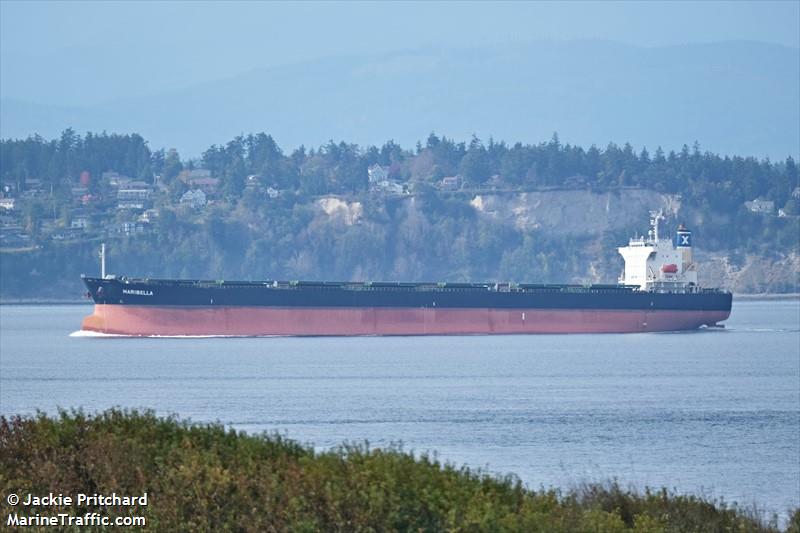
710, 412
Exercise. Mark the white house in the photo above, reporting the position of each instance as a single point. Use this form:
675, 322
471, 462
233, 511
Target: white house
377, 173
761, 206
132, 198
79, 222
451, 183
195, 198
115, 179
391, 187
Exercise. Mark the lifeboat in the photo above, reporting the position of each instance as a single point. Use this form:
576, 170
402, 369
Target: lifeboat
669, 269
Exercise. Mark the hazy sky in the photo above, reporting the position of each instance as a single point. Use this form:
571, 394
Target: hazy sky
154, 68
153, 46
307, 29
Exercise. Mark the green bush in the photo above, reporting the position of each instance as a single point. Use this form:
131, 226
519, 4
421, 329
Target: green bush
208, 478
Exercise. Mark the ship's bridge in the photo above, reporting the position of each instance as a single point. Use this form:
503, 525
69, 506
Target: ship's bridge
653, 263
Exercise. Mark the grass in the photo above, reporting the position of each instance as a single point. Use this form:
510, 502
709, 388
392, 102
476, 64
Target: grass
209, 478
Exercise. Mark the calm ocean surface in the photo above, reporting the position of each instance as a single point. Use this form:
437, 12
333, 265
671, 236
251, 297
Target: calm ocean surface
708, 412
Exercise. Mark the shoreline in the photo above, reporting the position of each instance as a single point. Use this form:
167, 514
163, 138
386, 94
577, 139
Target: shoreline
768, 296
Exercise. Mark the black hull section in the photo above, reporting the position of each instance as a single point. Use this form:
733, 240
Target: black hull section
169, 293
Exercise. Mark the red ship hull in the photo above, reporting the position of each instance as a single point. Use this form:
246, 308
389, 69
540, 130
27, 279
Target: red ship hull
137, 320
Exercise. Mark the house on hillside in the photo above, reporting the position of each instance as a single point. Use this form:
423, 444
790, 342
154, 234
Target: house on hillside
200, 178
451, 183
128, 228
115, 179
195, 198
392, 187
79, 220
133, 198
377, 173
766, 207
252, 181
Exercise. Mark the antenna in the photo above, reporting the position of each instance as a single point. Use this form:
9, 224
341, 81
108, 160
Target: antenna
655, 216
103, 261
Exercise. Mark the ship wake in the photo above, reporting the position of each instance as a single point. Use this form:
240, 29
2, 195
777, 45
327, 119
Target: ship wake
97, 334
84, 333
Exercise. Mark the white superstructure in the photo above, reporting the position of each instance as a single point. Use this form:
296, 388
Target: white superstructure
654, 263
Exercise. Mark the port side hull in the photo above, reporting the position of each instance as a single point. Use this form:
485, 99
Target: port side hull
137, 320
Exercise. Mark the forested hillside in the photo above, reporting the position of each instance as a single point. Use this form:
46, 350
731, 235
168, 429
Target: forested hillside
443, 210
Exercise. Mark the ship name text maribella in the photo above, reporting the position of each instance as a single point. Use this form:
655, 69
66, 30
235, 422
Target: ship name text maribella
137, 292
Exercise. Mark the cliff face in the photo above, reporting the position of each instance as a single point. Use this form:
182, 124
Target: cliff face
752, 274
576, 212
572, 213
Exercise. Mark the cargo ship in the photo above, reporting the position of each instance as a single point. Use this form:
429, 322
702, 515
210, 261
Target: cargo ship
658, 291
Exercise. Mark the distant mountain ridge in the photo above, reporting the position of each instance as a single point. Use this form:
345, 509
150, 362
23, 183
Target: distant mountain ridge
734, 97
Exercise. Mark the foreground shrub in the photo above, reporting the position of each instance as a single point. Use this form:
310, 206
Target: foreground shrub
207, 478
